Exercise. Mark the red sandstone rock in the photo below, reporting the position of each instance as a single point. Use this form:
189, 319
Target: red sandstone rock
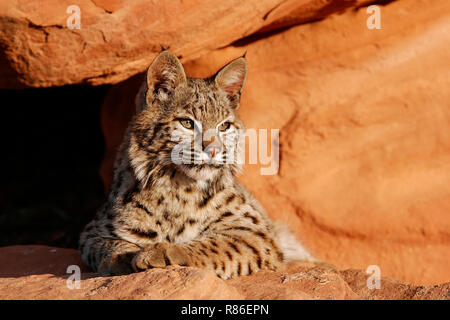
119, 39
393, 289
299, 281
296, 281
364, 122
293, 12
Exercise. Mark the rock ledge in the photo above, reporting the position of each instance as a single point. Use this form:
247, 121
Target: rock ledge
39, 272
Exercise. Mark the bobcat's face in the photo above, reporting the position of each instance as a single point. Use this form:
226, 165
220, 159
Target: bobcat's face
188, 124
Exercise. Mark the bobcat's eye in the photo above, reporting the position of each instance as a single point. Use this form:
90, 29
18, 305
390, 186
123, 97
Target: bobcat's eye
224, 126
187, 123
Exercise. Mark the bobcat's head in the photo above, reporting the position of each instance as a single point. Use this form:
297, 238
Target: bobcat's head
187, 124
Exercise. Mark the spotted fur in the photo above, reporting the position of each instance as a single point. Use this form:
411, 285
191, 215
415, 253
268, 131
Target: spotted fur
161, 212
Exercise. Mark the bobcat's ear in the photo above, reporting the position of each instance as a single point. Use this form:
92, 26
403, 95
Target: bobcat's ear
231, 78
163, 76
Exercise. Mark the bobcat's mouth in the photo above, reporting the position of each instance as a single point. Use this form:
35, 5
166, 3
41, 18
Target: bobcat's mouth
207, 164
192, 158
199, 164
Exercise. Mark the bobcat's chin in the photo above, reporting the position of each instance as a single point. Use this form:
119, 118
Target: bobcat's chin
201, 172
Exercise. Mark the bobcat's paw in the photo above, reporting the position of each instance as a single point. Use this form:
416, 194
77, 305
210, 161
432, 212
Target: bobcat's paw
116, 265
160, 255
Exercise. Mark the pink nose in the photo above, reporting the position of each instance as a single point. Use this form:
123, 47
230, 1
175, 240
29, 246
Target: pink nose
212, 150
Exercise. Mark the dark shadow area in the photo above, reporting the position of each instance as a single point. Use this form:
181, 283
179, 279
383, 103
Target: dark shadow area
51, 149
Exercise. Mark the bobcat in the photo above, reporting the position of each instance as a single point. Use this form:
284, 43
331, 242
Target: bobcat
163, 212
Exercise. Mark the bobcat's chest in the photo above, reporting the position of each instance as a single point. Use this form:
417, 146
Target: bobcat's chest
177, 217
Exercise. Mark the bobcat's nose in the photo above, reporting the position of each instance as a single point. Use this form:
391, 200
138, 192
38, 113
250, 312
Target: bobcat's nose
212, 147
212, 151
